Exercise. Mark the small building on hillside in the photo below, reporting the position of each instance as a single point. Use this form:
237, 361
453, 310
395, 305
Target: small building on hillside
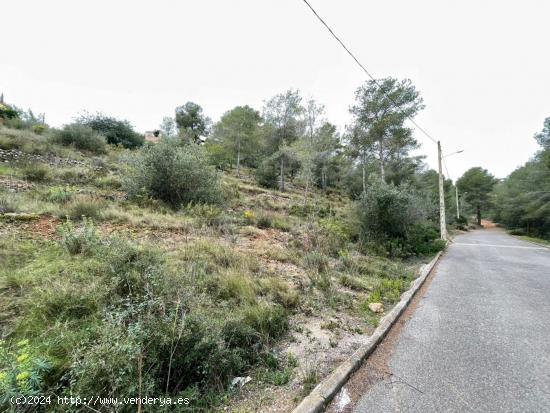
152, 136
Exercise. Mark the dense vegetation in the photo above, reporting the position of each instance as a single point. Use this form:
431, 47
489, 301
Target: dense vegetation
522, 200
171, 268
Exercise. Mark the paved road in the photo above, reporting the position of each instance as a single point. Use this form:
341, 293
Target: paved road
479, 340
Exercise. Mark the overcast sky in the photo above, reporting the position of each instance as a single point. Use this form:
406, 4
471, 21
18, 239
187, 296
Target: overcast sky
482, 66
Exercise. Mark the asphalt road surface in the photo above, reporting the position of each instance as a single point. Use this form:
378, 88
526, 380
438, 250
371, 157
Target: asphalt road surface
479, 340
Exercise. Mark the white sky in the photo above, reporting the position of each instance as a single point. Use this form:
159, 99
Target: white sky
482, 66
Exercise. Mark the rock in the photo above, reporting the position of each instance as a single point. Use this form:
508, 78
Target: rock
376, 307
240, 381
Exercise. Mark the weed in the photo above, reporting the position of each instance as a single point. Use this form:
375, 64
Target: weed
22, 373
310, 380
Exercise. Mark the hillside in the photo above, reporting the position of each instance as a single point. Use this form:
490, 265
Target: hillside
110, 296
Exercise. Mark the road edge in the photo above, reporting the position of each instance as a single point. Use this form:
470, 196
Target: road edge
325, 391
529, 241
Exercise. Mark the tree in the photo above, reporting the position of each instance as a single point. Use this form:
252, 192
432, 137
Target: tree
476, 184
543, 137
237, 133
117, 132
378, 132
191, 122
306, 148
168, 127
283, 117
327, 144
7, 112
522, 200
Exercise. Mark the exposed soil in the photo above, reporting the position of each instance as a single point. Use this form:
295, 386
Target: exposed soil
376, 367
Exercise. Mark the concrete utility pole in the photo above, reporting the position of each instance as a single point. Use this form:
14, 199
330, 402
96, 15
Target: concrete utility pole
442, 221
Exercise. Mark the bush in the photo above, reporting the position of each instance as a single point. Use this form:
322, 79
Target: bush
36, 172
423, 239
39, 129
353, 283
267, 174
59, 194
392, 221
233, 286
209, 215
81, 137
108, 182
81, 240
281, 292
174, 174
7, 203
116, 132
316, 261
84, 207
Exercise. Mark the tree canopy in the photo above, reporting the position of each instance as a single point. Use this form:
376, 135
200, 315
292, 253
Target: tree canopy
237, 135
378, 131
192, 123
476, 184
115, 131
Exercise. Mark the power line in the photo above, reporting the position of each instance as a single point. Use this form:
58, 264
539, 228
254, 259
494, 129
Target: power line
365, 69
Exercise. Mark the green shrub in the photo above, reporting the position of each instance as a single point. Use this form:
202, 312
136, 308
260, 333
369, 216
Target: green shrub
209, 215
269, 320
280, 291
387, 290
116, 132
336, 234
353, 283
59, 194
267, 174
392, 222
316, 261
7, 112
423, 239
73, 175
108, 182
7, 203
39, 129
264, 221
79, 240
174, 174
233, 286
81, 137
36, 172
84, 207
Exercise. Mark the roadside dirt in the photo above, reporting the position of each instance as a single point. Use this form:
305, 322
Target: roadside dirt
485, 223
376, 367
